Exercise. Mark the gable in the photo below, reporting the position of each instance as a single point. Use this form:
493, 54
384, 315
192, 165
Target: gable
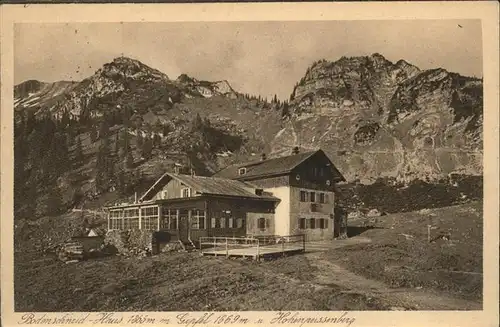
317, 168
264, 168
174, 185
271, 168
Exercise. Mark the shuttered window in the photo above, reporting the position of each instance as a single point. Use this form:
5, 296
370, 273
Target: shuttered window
311, 223
322, 198
261, 223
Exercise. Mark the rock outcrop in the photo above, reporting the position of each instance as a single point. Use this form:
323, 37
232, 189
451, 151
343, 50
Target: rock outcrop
382, 119
375, 118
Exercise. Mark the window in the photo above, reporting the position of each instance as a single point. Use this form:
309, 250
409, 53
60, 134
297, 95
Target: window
303, 196
131, 218
312, 197
321, 172
149, 218
322, 223
170, 219
198, 219
261, 224
213, 222
230, 222
164, 194
315, 171
311, 223
239, 222
186, 193
325, 226
242, 171
115, 219
302, 223
322, 198
222, 222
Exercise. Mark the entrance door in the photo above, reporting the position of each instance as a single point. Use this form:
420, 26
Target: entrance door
183, 225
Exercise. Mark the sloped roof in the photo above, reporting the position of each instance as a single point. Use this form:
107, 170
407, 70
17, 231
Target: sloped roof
269, 167
211, 186
84, 232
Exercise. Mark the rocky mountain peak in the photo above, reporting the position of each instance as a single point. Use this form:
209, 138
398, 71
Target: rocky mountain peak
25, 88
128, 68
186, 79
205, 88
379, 61
375, 117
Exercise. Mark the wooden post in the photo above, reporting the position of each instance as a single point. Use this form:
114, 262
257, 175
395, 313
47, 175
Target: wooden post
109, 217
215, 251
189, 223
159, 217
303, 242
258, 250
140, 218
177, 223
283, 246
227, 252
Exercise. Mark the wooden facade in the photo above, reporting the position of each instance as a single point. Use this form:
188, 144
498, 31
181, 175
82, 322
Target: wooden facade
296, 199
312, 215
179, 217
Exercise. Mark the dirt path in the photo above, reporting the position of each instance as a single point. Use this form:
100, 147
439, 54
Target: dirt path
400, 299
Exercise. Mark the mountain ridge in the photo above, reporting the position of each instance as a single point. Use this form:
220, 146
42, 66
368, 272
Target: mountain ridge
374, 117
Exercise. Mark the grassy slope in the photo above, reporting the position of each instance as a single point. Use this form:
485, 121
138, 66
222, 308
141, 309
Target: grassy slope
175, 282
185, 281
453, 266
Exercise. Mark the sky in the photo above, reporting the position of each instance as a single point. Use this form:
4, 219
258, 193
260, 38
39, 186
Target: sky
260, 58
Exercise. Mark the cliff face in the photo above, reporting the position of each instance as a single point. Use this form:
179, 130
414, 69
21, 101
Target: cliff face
377, 118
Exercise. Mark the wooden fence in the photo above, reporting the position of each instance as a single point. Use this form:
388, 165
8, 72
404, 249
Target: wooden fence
254, 246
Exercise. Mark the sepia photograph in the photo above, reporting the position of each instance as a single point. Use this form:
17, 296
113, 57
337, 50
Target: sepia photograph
287, 165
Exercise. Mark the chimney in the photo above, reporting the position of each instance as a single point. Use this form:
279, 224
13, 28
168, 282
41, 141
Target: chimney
263, 157
295, 150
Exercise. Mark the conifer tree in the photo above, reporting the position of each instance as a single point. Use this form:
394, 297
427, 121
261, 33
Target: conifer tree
78, 150
93, 133
117, 145
103, 165
156, 140
77, 196
139, 141
53, 204
166, 129
147, 148
104, 128
129, 160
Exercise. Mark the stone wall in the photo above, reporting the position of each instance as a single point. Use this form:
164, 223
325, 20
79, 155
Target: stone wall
138, 242
130, 241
